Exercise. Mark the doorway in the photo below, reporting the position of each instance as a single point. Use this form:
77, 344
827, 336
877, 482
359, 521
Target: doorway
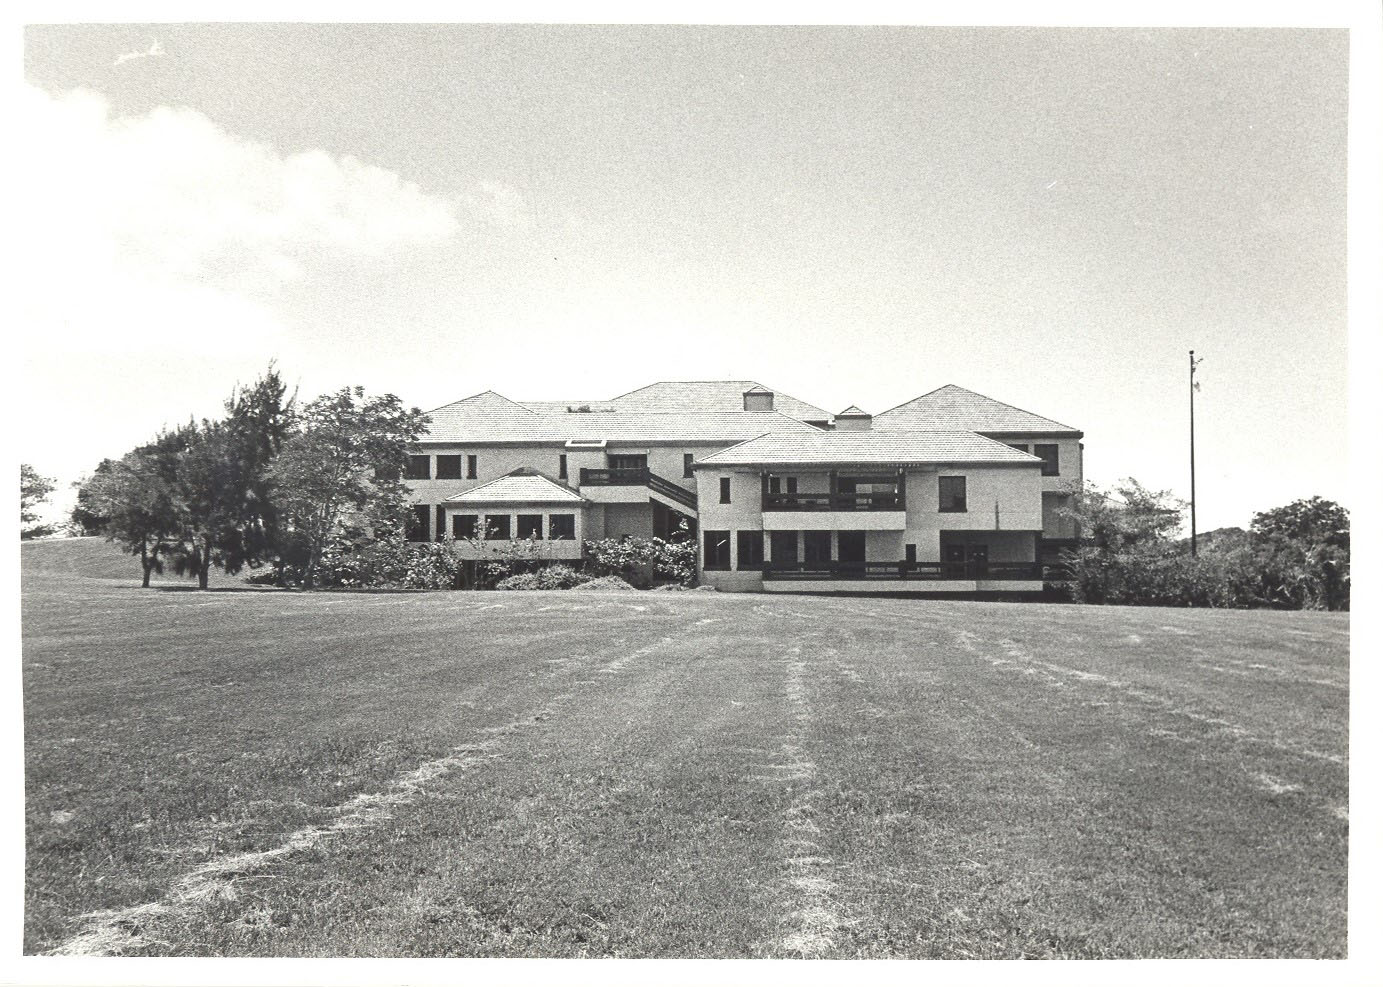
850, 549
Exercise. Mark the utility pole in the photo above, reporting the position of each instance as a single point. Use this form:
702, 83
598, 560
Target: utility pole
1193, 389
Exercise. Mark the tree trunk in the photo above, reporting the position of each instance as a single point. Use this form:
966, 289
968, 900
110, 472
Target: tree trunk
204, 570
146, 562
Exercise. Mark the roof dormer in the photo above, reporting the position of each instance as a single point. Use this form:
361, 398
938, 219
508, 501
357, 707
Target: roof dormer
853, 419
758, 398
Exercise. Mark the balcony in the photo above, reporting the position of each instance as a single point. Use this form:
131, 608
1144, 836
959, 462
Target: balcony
638, 477
918, 572
834, 502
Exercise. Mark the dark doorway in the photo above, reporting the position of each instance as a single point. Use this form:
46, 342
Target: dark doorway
977, 562
953, 557
783, 545
851, 549
816, 546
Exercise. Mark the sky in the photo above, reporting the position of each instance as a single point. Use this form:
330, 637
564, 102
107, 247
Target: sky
1049, 216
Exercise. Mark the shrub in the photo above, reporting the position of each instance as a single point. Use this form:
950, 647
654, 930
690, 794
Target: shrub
642, 562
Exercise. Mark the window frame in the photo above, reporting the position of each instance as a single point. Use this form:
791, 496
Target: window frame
519, 526
753, 539
449, 474
568, 530
472, 470
706, 542
1050, 466
561, 466
941, 499
725, 490
459, 526
687, 459
410, 473
492, 534
421, 524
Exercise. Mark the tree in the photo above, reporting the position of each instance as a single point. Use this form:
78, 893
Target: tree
33, 491
224, 482
135, 500
1313, 521
340, 475
87, 517
1129, 517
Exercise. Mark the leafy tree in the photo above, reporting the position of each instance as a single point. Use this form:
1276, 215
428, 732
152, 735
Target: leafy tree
33, 491
1314, 521
341, 473
87, 517
134, 500
1128, 517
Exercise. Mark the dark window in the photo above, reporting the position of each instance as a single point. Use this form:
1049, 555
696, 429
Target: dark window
628, 461
561, 527
1020, 446
687, 464
750, 549
531, 526
792, 484
470, 467
775, 485
463, 525
725, 490
419, 468
784, 545
562, 466
439, 531
717, 549
497, 527
816, 546
910, 553
449, 467
952, 494
417, 522
1051, 464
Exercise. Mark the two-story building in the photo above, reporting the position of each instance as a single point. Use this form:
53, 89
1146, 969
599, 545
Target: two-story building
949, 492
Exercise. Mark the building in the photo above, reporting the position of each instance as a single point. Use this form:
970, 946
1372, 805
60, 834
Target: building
949, 492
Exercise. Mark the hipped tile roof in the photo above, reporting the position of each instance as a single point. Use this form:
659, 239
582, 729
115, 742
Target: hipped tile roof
459, 424
952, 407
522, 486
891, 448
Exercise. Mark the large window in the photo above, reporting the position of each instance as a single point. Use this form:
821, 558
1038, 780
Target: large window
816, 546
417, 522
784, 545
750, 545
419, 468
470, 468
463, 525
1051, 463
561, 527
717, 549
449, 467
439, 530
951, 494
725, 490
531, 526
687, 464
497, 527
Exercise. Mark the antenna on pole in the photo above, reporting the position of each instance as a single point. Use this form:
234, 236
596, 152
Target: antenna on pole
1193, 388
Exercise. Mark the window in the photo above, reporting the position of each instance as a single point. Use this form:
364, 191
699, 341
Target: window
439, 531
562, 466
775, 485
784, 545
417, 522
497, 527
910, 553
449, 467
531, 526
816, 546
463, 525
792, 484
750, 545
470, 467
419, 468
717, 550
952, 494
687, 464
1020, 446
1051, 463
725, 490
561, 527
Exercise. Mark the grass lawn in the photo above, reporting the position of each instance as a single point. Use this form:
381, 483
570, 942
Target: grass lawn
662, 774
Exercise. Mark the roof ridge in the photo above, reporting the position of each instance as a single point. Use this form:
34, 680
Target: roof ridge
481, 394
1011, 407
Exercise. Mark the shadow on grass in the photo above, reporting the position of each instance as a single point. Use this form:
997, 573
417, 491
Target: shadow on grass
332, 590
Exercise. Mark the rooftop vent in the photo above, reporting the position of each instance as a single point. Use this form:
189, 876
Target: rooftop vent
852, 419
758, 399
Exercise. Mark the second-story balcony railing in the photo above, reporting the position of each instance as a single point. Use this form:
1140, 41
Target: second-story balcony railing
834, 502
624, 476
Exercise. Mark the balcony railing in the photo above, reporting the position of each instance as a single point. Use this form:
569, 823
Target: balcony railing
637, 476
919, 571
834, 502
626, 476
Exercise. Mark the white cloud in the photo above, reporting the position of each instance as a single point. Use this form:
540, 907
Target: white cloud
165, 230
